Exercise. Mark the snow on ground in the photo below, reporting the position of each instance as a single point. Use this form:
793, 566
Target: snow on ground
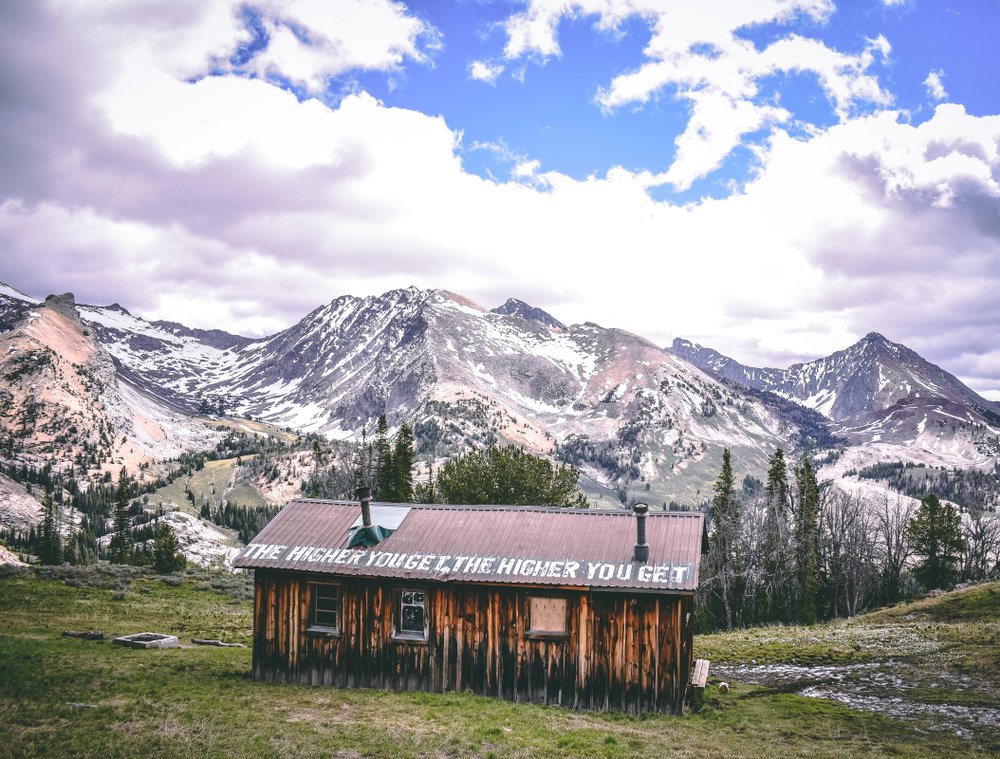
306, 417
10, 292
821, 402
159, 432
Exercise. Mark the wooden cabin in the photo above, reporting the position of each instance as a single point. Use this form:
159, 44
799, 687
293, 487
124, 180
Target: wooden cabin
589, 609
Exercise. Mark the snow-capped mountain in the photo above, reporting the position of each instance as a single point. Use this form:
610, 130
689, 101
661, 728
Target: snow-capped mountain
627, 412
872, 375
634, 417
877, 392
13, 306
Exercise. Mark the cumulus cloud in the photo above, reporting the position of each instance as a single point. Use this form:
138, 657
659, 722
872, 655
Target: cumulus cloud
224, 201
484, 71
309, 41
935, 86
700, 57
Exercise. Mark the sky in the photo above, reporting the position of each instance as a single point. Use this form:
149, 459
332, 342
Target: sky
771, 178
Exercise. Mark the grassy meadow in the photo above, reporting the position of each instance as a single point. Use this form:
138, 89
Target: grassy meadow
65, 697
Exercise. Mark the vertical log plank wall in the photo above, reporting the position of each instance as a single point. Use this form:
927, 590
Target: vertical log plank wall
622, 651
329, 614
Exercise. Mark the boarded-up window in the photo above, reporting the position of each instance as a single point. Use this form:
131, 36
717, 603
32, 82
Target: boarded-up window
326, 607
412, 613
547, 615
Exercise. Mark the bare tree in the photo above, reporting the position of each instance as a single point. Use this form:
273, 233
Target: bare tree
891, 520
981, 530
848, 552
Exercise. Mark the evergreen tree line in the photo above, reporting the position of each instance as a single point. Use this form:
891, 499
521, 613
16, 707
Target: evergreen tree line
385, 467
129, 544
246, 520
970, 488
796, 551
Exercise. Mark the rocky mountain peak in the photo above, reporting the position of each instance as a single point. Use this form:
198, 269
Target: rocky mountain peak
64, 304
515, 307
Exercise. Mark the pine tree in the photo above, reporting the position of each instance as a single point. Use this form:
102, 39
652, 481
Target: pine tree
726, 523
69, 552
167, 556
935, 532
120, 547
402, 461
49, 543
777, 587
424, 492
385, 470
807, 542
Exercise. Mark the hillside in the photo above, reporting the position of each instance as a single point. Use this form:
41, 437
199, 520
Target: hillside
62, 401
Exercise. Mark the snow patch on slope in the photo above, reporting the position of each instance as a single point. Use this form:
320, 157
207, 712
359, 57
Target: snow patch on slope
11, 292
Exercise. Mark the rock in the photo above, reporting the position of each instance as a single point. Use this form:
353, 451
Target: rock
6, 557
89, 635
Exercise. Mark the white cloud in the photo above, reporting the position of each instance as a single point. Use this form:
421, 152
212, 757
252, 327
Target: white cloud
935, 86
484, 71
225, 202
527, 169
716, 125
696, 54
313, 40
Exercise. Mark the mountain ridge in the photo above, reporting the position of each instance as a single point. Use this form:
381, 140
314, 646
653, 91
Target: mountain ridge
636, 418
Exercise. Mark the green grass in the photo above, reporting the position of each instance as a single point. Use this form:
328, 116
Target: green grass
964, 624
201, 702
211, 483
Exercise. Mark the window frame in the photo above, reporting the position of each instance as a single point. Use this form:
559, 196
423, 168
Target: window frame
409, 636
532, 632
316, 627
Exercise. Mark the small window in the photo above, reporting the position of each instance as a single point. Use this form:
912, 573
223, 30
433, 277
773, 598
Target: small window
412, 614
325, 608
546, 615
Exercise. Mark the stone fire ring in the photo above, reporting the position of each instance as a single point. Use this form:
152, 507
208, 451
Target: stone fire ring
147, 640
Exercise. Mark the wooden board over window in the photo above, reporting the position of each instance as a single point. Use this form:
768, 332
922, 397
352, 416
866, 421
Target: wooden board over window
546, 615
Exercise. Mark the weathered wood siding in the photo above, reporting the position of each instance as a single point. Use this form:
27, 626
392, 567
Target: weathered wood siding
622, 652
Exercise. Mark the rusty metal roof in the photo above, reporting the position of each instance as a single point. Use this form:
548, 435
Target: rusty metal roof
527, 545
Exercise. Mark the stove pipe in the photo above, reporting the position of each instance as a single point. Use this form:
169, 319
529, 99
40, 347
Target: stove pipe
641, 546
365, 496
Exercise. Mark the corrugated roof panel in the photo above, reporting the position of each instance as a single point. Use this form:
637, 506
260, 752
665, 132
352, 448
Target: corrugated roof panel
507, 544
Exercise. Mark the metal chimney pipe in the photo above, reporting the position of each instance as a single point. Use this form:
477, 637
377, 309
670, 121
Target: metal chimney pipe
641, 546
365, 496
